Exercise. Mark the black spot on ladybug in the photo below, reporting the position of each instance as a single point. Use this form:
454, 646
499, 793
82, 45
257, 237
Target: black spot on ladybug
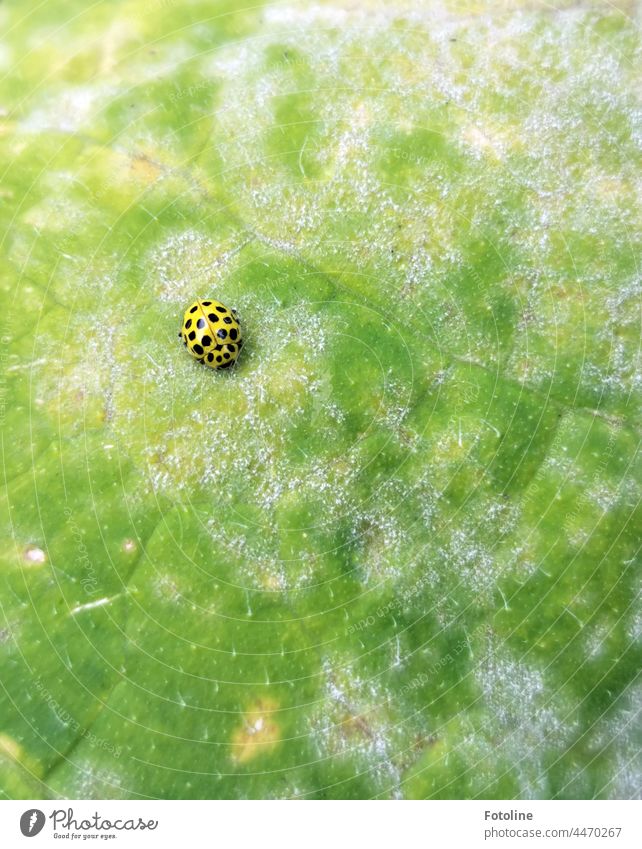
210, 357
188, 324
197, 349
233, 333
212, 317
218, 347
231, 348
226, 355
227, 319
222, 333
200, 323
206, 303
227, 365
221, 309
194, 308
206, 341
192, 336
219, 359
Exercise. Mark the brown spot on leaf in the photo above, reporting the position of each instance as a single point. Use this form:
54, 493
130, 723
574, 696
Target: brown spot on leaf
355, 726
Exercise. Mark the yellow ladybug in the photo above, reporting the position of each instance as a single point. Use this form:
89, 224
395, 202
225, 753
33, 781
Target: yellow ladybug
212, 333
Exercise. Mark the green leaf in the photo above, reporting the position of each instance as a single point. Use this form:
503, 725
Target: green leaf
393, 552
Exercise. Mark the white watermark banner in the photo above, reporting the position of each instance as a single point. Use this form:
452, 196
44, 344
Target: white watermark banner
325, 824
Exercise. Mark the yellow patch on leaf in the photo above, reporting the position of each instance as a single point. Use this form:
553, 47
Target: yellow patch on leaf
9, 748
259, 734
144, 170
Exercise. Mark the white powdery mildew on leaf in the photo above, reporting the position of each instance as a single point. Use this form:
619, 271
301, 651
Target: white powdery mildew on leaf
87, 781
513, 692
605, 495
327, 486
525, 718
620, 737
395, 403
470, 559
190, 264
344, 142
236, 439
621, 306
260, 567
231, 61
353, 724
226, 440
75, 381
381, 540
306, 16
294, 207
419, 271
635, 627
73, 110
60, 214
194, 430
617, 375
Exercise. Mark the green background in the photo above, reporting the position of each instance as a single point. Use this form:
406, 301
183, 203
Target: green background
395, 552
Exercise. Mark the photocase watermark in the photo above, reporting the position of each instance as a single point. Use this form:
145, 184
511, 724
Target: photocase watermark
190, 91
89, 581
410, 156
64, 820
67, 719
32, 822
65, 824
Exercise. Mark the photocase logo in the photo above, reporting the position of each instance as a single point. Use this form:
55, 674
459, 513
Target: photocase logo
63, 820
31, 822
